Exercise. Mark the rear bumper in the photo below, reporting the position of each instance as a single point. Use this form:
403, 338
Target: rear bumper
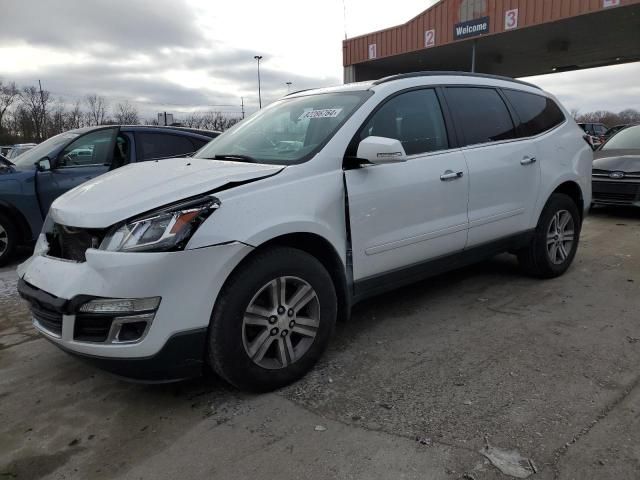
616, 192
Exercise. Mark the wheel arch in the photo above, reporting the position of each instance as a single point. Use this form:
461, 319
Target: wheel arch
321, 249
19, 221
572, 189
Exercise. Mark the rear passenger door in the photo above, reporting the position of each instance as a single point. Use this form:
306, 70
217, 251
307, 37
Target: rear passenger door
155, 146
405, 213
504, 176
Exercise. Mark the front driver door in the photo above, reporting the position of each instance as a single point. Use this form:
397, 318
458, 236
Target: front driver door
406, 213
83, 159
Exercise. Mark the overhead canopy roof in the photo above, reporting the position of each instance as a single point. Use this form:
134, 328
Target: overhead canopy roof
550, 35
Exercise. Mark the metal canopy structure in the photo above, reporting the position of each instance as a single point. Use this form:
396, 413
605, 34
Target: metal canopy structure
515, 38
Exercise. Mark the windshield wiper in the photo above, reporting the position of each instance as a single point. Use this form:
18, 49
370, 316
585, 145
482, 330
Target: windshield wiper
236, 157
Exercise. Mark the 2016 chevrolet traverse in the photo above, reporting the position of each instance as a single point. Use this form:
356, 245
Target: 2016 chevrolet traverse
243, 257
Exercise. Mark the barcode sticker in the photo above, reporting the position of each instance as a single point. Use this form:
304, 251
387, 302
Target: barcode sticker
324, 113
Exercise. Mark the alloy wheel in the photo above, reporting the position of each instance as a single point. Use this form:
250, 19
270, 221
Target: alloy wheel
4, 240
560, 237
281, 322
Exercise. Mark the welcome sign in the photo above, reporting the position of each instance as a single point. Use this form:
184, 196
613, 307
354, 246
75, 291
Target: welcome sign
471, 28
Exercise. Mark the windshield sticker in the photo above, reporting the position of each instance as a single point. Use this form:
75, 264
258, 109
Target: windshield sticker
324, 113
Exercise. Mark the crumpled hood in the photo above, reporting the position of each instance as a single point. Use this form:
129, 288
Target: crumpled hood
140, 187
617, 160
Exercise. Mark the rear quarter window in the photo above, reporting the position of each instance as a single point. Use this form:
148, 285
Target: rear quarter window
480, 114
537, 114
152, 146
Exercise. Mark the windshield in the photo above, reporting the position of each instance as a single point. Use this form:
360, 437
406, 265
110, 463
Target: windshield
627, 139
290, 131
31, 156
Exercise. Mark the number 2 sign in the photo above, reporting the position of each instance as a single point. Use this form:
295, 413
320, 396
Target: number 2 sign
429, 38
511, 19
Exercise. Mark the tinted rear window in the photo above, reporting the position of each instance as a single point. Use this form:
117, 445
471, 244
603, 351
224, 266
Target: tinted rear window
160, 145
537, 114
481, 114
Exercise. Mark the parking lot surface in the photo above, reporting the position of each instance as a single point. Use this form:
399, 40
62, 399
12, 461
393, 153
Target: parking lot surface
416, 385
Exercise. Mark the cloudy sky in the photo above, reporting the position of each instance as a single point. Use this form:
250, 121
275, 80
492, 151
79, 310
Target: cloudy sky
181, 55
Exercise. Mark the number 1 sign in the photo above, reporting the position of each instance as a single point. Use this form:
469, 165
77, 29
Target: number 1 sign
373, 51
511, 19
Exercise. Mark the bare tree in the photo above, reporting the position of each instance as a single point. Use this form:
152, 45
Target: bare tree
575, 113
629, 115
9, 93
193, 120
75, 116
97, 105
126, 114
57, 119
35, 102
610, 119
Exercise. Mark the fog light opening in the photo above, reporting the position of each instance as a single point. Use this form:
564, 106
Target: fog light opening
132, 331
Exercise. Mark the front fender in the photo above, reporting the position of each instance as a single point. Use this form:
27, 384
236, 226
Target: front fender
256, 213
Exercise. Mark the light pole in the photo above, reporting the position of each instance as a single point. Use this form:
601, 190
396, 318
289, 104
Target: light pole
258, 58
289, 87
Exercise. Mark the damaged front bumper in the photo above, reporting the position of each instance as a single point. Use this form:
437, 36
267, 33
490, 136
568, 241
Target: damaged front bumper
138, 315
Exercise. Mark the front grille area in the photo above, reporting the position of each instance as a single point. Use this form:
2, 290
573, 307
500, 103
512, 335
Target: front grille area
49, 320
92, 328
619, 193
71, 243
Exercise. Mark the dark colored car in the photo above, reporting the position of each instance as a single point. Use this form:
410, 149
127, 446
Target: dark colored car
32, 181
596, 133
616, 169
18, 149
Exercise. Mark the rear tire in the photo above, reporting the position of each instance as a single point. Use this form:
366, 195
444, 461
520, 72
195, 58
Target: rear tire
8, 239
272, 320
555, 240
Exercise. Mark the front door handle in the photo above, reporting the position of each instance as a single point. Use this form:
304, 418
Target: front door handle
450, 175
528, 160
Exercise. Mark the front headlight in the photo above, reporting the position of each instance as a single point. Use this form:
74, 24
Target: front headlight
168, 228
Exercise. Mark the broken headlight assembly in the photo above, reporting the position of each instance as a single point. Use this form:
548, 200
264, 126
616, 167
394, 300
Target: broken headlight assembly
165, 229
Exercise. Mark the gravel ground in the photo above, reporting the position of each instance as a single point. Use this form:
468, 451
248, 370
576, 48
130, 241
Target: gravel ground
416, 385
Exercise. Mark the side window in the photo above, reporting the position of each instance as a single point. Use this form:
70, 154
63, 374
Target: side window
198, 144
95, 148
122, 151
480, 114
537, 113
152, 146
600, 129
414, 118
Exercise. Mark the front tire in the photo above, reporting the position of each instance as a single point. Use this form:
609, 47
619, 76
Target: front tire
555, 240
272, 320
8, 239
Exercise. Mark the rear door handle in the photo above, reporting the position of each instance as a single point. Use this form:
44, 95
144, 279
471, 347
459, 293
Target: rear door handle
528, 160
450, 175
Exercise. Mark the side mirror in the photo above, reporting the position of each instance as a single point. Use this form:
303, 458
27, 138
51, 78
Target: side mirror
43, 165
381, 150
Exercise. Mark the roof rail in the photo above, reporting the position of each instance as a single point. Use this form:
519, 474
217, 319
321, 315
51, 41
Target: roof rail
299, 91
435, 73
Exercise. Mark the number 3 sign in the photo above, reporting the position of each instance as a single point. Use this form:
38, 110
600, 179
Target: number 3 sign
511, 19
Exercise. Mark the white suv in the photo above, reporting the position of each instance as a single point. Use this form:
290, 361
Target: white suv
243, 257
